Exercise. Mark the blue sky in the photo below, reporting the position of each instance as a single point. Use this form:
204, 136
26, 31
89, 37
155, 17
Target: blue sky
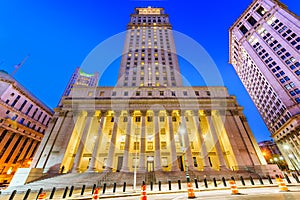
58, 35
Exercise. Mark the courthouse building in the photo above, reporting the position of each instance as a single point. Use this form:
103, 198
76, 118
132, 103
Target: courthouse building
265, 52
149, 122
23, 122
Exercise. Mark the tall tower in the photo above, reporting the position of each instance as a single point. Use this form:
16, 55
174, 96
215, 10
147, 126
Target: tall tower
265, 52
149, 57
81, 78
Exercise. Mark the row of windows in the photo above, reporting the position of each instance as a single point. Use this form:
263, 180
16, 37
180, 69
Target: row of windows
281, 52
288, 35
161, 93
251, 20
37, 114
260, 92
28, 123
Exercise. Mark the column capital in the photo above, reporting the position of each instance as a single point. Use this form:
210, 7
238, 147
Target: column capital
143, 112
156, 112
207, 112
117, 113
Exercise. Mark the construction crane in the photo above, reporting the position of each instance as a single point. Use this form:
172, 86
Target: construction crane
17, 67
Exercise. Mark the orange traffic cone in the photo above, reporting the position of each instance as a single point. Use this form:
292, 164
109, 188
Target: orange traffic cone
96, 193
281, 184
42, 196
233, 187
191, 194
143, 192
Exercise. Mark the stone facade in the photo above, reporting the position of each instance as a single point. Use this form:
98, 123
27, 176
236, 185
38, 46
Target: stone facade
23, 122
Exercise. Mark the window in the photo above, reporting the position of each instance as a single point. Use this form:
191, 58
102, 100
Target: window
149, 93
136, 146
184, 93
125, 93
161, 93
261, 11
125, 119
122, 145
101, 93
149, 118
150, 146
173, 93
114, 93
251, 21
163, 145
138, 119
137, 93
243, 29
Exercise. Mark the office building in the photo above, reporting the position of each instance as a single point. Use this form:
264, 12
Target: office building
23, 122
265, 52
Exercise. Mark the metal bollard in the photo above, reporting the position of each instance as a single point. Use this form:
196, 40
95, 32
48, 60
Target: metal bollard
27, 194
242, 180
179, 184
144, 183
71, 191
215, 182
287, 178
270, 180
40, 191
205, 183
65, 192
260, 180
251, 180
170, 186
52, 193
13, 194
151, 186
232, 178
94, 187
82, 190
114, 188
159, 185
124, 187
224, 182
104, 188
196, 183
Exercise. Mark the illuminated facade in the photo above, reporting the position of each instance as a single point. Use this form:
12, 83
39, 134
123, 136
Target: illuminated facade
81, 78
265, 52
152, 125
23, 121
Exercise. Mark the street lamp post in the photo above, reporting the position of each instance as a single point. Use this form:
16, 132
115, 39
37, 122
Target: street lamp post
135, 163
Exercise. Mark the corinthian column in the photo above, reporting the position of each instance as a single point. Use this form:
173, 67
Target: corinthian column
142, 167
216, 140
112, 147
77, 160
93, 163
186, 143
204, 154
157, 143
125, 167
174, 160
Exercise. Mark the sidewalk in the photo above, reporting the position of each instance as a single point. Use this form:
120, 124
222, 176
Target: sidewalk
129, 190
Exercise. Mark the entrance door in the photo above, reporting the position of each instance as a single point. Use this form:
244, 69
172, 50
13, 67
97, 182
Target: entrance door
150, 166
180, 163
120, 162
